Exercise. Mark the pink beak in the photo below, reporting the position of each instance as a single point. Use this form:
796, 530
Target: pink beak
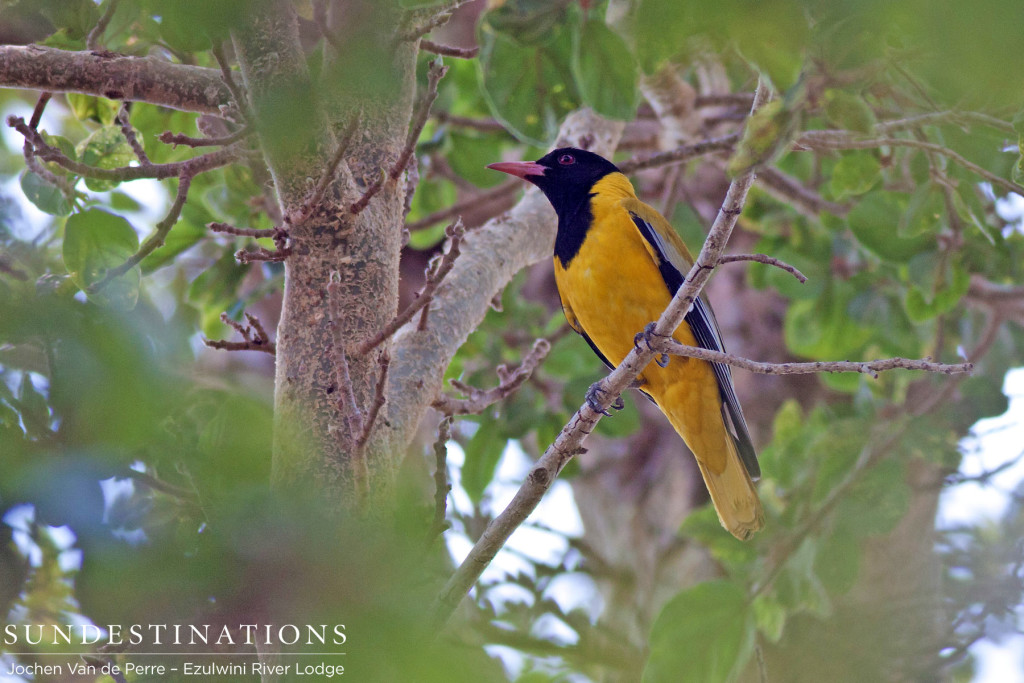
521, 169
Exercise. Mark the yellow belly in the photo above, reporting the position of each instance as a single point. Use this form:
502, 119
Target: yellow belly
613, 288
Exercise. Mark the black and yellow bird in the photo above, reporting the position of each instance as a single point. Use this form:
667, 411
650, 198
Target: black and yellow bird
618, 263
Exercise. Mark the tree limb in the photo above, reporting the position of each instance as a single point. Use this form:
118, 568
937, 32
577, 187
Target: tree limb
114, 76
871, 367
478, 400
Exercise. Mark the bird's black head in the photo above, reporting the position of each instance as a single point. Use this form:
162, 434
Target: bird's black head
565, 175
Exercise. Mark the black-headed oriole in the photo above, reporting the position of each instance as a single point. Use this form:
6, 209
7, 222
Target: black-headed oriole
618, 263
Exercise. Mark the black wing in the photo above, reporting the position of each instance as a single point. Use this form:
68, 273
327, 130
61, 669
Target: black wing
705, 330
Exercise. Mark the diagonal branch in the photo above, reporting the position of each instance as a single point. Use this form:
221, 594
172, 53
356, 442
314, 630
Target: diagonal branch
680, 154
154, 241
870, 367
840, 139
478, 400
570, 441
765, 259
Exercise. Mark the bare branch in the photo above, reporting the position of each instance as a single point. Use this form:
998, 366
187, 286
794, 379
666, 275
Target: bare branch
871, 367
484, 125
255, 336
435, 275
155, 240
169, 138
804, 199
449, 50
262, 254
228, 229
570, 440
92, 41
348, 408
241, 102
332, 167
379, 398
956, 117
840, 139
765, 259
679, 154
459, 208
478, 400
129, 133
739, 99
191, 167
434, 76
116, 77
441, 486
983, 289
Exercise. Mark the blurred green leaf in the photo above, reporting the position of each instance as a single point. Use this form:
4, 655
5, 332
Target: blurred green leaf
706, 650
95, 241
605, 70
46, 197
874, 223
105, 148
93, 108
854, 174
483, 452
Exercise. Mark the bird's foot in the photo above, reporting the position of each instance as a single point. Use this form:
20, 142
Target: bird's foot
645, 337
593, 399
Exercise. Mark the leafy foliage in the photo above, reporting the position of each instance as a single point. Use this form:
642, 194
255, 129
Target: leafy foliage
134, 466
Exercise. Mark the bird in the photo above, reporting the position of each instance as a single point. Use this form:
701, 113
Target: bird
618, 263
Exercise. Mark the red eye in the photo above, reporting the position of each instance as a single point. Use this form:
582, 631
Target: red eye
566, 159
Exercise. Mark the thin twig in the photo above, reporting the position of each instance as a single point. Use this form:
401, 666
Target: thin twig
92, 41
193, 166
570, 440
441, 486
957, 117
458, 208
478, 400
236, 92
435, 275
123, 120
740, 99
804, 199
679, 154
229, 229
767, 260
262, 254
839, 139
379, 399
254, 334
449, 50
332, 167
169, 138
154, 241
37, 112
871, 367
483, 125
434, 75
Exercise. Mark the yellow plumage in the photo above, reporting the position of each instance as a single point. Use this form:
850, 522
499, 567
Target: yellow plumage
613, 288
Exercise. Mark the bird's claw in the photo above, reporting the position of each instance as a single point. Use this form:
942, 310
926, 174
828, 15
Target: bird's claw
594, 401
645, 337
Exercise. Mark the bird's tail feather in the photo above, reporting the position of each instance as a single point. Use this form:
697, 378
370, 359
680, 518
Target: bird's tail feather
734, 496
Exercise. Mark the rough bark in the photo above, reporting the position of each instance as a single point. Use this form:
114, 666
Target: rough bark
313, 434
118, 77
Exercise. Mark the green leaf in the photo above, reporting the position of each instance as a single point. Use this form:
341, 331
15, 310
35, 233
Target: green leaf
769, 616
469, 155
105, 148
837, 563
46, 197
702, 635
95, 241
874, 222
848, 111
529, 89
855, 174
483, 452
605, 70
877, 502
92, 108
